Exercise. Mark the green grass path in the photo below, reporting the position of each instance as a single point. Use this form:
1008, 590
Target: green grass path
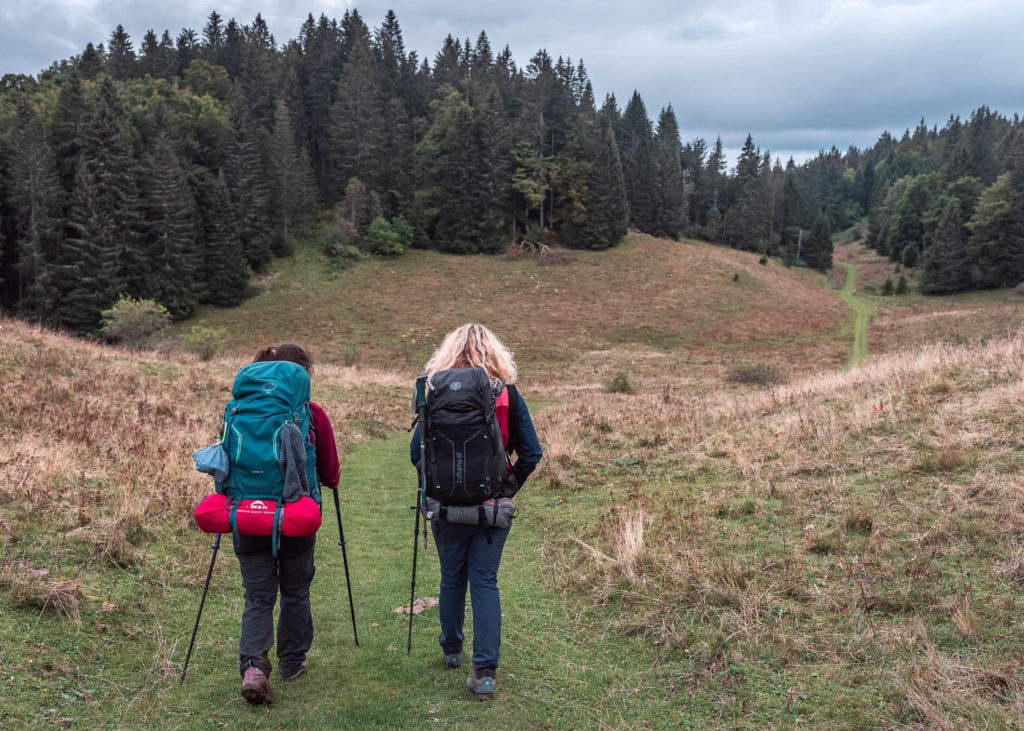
861, 314
561, 666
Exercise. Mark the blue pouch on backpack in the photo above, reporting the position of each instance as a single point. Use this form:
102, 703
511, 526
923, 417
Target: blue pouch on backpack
213, 460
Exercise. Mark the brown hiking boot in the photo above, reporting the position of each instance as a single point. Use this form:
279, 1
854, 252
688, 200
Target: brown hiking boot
255, 687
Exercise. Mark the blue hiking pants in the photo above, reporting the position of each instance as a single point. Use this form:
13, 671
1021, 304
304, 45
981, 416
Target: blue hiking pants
470, 554
263, 577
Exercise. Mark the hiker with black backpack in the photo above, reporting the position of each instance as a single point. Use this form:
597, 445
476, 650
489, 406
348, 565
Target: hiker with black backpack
471, 419
276, 448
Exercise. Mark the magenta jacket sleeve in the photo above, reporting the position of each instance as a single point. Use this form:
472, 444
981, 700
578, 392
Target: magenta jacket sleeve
328, 469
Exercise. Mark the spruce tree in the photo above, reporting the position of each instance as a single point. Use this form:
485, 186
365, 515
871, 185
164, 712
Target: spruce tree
170, 232
357, 123
817, 251
670, 204
37, 200
284, 180
87, 281
67, 131
91, 64
120, 55
225, 273
946, 268
108, 156
250, 193
996, 246
635, 140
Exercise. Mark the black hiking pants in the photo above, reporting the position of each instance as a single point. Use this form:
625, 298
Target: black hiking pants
263, 576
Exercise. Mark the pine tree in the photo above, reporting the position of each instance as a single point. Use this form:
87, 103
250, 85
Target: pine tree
670, 204
66, 133
635, 140
250, 194
37, 200
186, 49
87, 281
357, 123
817, 252
225, 274
996, 246
284, 180
91, 64
946, 267
108, 156
170, 232
121, 55
213, 37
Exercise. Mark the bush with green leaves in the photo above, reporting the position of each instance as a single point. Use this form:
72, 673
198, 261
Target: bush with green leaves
134, 323
888, 288
336, 243
901, 285
203, 340
382, 239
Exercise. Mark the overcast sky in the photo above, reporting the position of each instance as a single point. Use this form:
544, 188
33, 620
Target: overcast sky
800, 75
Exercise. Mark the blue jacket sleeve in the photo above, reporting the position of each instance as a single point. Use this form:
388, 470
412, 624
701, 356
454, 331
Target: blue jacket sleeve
528, 451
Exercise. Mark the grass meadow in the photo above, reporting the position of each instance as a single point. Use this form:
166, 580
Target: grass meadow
748, 536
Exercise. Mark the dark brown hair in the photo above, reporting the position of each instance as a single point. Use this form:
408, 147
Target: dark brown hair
289, 352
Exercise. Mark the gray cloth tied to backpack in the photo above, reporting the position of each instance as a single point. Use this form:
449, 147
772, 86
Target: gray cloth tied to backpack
292, 460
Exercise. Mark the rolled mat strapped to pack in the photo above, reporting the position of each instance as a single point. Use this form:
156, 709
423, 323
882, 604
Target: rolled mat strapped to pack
256, 517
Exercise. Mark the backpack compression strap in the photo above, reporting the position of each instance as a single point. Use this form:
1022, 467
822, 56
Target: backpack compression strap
513, 418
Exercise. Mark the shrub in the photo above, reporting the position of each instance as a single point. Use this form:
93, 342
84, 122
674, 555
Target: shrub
403, 229
901, 285
337, 247
760, 374
134, 323
620, 383
869, 288
888, 288
203, 340
382, 239
763, 261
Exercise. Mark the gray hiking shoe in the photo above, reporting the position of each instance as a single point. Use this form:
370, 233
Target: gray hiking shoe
453, 660
255, 687
482, 684
289, 675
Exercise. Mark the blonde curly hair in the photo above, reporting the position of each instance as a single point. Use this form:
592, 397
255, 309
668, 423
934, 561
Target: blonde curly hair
473, 346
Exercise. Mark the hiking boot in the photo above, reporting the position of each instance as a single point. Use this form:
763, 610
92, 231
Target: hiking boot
482, 684
453, 660
255, 687
289, 675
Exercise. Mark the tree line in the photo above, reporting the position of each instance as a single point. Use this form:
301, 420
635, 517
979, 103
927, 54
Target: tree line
175, 171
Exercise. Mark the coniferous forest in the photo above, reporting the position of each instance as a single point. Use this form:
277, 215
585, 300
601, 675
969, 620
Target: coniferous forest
173, 168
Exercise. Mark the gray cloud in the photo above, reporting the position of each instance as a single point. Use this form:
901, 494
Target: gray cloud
798, 74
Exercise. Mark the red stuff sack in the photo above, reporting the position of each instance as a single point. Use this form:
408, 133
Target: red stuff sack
256, 517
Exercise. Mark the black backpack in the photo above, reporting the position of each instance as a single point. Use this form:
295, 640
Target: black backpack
465, 458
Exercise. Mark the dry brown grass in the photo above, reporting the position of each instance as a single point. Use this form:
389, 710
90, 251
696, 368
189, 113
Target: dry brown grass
95, 443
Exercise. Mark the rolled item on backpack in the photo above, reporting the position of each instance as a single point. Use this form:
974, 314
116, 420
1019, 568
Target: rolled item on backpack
256, 517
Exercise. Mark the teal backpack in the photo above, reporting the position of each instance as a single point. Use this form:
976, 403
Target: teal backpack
267, 395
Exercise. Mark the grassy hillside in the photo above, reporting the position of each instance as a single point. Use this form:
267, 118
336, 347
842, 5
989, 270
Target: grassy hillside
648, 294
750, 539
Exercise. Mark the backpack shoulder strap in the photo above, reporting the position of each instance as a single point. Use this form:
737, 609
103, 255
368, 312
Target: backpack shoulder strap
513, 418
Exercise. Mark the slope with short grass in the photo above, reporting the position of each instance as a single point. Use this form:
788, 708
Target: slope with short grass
647, 293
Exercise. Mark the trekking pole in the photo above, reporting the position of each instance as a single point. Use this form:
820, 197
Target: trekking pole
419, 403
344, 557
216, 545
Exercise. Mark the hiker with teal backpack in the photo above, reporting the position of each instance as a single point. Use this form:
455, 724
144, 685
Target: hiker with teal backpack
471, 419
279, 448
